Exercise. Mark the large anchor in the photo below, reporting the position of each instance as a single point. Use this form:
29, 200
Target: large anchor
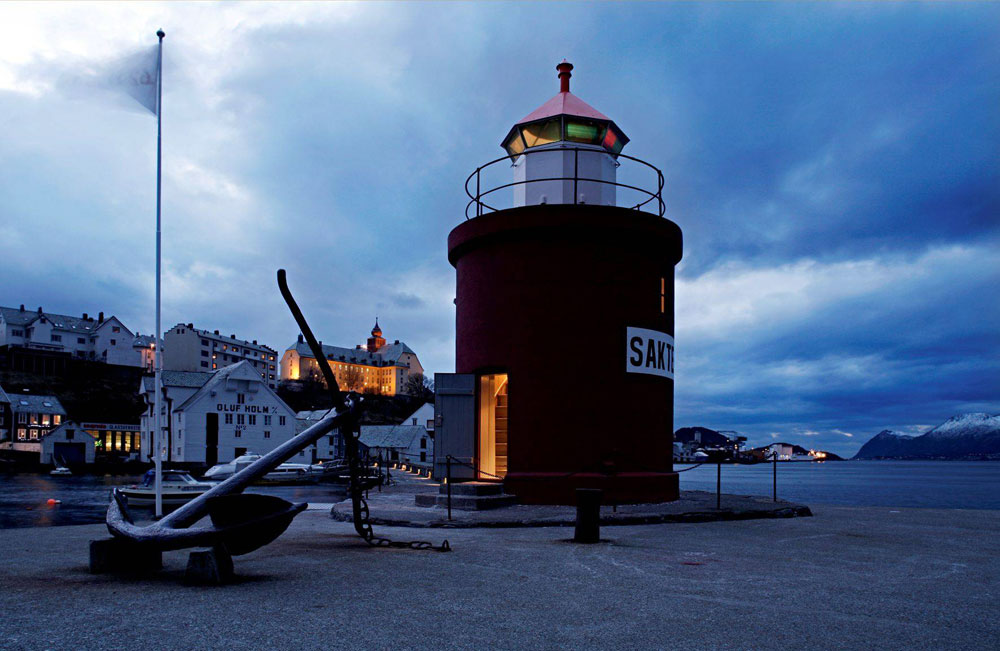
242, 523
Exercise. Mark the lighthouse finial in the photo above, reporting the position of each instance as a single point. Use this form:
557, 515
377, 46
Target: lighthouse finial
564, 75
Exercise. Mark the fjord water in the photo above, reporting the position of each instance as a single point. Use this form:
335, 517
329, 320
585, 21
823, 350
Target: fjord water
911, 484
919, 484
84, 499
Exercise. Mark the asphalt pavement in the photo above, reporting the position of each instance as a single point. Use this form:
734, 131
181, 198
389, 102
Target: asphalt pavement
856, 578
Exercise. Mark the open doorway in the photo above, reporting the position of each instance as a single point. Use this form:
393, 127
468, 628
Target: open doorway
493, 425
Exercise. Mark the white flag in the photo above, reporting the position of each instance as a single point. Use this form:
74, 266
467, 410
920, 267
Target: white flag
124, 81
137, 75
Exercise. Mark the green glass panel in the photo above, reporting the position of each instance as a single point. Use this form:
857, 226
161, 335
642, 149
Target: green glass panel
585, 132
541, 133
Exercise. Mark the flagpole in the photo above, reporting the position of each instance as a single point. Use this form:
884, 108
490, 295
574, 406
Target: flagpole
158, 381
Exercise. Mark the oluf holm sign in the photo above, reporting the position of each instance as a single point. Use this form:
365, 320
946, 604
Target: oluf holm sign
650, 352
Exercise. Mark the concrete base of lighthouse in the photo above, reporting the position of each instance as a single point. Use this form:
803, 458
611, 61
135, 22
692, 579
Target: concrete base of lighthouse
622, 488
545, 298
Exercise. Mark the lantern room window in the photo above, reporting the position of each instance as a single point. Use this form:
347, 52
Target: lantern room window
589, 133
542, 133
514, 145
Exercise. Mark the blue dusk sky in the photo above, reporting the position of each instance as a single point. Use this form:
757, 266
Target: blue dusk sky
835, 169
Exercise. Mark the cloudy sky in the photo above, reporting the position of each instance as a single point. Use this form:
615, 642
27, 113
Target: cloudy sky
834, 168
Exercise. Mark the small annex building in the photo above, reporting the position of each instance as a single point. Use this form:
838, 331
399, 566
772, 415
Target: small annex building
398, 443
216, 417
67, 445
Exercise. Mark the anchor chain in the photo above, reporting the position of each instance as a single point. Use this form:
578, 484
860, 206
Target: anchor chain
351, 403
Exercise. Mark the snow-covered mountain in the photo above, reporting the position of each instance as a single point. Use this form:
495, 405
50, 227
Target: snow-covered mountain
964, 436
966, 425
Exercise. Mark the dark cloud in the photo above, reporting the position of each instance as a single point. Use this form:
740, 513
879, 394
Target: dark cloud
835, 162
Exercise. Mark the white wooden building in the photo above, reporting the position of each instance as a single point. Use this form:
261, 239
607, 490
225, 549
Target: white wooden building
329, 447
215, 417
399, 443
68, 444
83, 337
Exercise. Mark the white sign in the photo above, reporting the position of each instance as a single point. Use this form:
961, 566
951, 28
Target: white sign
650, 352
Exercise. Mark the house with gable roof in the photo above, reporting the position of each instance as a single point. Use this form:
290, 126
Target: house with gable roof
83, 337
211, 418
31, 418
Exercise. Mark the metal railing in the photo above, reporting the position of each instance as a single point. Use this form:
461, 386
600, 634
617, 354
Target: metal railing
481, 206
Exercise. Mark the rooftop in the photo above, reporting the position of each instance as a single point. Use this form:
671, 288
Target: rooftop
20, 317
390, 436
388, 354
26, 402
230, 339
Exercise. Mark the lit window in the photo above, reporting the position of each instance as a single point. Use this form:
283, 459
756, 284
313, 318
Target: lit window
663, 295
541, 133
586, 132
514, 145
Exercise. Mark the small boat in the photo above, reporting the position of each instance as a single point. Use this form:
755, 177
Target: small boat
61, 471
227, 470
179, 487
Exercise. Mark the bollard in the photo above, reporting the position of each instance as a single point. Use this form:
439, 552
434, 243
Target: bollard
718, 486
588, 515
775, 477
447, 482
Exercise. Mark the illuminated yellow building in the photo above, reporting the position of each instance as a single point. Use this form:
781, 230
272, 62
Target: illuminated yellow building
375, 368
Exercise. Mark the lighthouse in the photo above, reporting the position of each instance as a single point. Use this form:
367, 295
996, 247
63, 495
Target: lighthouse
564, 346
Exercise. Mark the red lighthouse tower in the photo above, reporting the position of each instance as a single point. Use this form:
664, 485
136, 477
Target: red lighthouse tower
564, 319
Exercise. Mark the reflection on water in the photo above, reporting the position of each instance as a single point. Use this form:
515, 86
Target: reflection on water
24, 498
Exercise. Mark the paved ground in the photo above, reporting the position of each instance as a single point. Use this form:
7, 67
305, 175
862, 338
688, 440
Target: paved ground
846, 578
396, 507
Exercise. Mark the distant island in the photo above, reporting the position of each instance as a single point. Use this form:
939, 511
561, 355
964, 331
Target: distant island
694, 444
967, 436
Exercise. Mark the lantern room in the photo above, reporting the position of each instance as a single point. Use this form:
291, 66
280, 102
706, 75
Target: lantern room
566, 140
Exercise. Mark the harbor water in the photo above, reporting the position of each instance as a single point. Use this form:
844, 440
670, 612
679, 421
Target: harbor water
906, 484
84, 499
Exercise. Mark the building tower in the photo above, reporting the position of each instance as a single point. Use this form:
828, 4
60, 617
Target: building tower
375, 341
589, 404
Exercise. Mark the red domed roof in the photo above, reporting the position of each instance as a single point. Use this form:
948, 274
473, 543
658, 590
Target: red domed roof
578, 123
564, 104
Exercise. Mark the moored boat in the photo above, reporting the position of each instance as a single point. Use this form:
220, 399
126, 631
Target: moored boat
61, 471
223, 471
179, 487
